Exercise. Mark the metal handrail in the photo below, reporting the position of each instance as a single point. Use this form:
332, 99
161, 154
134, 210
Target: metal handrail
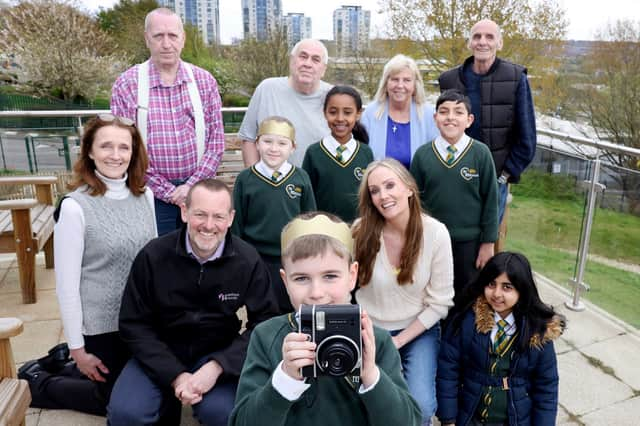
76, 113
601, 145
594, 185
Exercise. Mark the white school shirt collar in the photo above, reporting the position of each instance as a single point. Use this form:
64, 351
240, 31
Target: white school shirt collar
461, 145
510, 329
267, 172
331, 144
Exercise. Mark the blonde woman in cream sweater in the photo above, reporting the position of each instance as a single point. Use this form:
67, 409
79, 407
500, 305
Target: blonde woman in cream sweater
406, 272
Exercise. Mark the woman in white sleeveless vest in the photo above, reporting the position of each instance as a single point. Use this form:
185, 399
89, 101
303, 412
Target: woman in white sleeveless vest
100, 228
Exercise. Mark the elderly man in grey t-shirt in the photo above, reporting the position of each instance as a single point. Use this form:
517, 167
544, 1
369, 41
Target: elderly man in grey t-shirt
299, 98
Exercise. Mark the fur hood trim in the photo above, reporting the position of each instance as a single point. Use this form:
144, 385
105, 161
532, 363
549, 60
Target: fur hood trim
485, 323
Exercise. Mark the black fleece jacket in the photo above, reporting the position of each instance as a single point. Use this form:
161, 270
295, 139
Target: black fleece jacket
176, 311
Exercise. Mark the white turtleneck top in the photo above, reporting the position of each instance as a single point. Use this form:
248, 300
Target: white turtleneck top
69, 235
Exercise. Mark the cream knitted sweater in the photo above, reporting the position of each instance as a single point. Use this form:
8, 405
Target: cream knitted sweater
393, 306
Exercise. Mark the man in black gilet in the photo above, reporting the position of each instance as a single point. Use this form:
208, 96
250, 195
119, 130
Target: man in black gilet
500, 102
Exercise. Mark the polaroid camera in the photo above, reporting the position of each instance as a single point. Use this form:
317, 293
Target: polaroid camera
336, 331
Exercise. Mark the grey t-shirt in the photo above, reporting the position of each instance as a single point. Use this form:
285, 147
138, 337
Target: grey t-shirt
274, 96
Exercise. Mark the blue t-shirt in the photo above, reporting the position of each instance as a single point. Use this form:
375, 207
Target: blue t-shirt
399, 142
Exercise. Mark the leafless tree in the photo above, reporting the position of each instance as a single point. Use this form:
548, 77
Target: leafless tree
61, 50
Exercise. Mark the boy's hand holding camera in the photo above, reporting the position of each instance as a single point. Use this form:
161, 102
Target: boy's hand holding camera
298, 351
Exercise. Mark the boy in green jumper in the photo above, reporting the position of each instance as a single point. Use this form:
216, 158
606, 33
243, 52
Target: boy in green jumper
267, 195
458, 186
318, 269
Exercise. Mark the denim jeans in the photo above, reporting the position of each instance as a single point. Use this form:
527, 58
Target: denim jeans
503, 192
419, 363
138, 400
168, 216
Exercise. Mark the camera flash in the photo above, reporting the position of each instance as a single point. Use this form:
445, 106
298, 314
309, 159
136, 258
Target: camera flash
320, 326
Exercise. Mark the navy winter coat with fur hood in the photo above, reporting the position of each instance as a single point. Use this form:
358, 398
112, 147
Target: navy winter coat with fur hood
464, 362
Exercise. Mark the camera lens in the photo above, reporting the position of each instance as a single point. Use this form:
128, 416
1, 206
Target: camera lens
337, 357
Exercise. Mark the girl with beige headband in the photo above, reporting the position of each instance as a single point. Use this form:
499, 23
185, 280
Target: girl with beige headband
268, 195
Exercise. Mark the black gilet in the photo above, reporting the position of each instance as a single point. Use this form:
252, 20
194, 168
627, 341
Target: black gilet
498, 100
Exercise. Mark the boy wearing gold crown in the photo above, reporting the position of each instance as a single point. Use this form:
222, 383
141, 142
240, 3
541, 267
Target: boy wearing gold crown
268, 195
318, 268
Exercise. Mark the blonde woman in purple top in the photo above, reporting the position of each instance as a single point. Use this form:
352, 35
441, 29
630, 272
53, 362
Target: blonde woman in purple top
399, 120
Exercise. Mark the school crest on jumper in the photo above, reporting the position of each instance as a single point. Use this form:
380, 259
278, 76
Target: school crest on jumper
293, 191
358, 173
468, 173
353, 381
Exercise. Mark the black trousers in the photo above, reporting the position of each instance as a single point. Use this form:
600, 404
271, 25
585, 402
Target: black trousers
72, 390
465, 254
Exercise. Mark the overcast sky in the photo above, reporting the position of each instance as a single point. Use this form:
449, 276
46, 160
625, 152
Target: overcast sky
585, 16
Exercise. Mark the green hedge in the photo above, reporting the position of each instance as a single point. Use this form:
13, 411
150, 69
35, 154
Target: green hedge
11, 101
539, 184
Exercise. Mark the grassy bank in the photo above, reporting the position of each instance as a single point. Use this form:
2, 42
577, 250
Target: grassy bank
614, 290
558, 224
548, 232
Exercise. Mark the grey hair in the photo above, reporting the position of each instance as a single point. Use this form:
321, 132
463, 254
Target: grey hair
161, 11
325, 52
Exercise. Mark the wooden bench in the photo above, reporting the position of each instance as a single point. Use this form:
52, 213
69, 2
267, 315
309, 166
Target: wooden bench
14, 394
231, 163
26, 227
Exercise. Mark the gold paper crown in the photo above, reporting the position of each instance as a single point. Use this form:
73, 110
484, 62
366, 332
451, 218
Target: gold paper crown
280, 128
318, 225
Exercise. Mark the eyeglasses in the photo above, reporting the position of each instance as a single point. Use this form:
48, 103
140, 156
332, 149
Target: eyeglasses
109, 118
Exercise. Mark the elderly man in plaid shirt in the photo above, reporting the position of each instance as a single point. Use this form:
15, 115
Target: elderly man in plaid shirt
176, 106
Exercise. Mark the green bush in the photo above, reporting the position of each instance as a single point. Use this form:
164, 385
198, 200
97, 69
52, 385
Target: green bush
539, 184
101, 102
235, 100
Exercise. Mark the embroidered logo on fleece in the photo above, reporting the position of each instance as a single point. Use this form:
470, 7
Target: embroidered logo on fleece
358, 173
468, 174
293, 191
228, 297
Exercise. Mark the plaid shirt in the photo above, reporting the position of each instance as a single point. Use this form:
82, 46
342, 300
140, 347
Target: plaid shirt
171, 133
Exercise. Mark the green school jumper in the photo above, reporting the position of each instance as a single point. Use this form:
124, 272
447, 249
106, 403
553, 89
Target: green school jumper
329, 401
263, 207
463, 195
336, 184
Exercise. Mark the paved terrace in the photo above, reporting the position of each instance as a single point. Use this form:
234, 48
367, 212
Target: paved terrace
599, 355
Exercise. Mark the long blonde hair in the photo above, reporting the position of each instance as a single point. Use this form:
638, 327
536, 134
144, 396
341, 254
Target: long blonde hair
367, 230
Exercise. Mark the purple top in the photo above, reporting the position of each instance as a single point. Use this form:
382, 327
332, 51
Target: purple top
399, 142
216, 254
